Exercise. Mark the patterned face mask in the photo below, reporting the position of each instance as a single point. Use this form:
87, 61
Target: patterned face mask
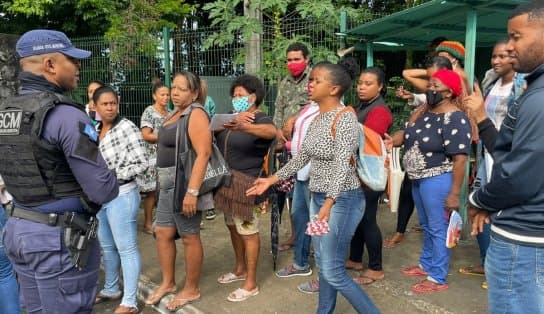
241, 104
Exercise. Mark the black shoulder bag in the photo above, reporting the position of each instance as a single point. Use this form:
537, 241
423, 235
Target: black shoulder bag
217, 171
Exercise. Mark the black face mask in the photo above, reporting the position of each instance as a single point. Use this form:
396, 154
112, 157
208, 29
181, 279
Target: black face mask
433, 98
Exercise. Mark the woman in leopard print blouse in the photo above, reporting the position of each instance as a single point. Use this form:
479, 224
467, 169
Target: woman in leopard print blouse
336, 193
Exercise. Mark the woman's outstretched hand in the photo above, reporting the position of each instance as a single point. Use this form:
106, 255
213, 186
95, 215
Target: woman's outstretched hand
261, 185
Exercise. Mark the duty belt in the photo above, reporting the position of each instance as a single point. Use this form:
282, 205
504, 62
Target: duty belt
51, 219
78, 230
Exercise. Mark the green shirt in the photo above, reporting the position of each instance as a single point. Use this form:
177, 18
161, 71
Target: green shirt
292, 97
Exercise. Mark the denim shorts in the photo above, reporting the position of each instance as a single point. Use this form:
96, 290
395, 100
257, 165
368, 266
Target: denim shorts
165, 216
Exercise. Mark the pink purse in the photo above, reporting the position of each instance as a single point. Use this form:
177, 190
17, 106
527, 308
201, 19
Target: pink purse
317, 227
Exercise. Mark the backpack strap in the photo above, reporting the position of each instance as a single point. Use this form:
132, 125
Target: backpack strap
338, 115
333, 127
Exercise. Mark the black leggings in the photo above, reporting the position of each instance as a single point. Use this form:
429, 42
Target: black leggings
368, 233
406, 205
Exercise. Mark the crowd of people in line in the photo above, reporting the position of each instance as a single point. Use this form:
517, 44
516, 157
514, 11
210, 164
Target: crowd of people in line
97, 163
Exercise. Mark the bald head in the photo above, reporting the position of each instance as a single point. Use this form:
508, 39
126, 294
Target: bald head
56, 68
34, 64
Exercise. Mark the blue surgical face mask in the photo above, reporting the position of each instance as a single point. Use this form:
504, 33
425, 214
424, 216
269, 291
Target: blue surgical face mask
241, 104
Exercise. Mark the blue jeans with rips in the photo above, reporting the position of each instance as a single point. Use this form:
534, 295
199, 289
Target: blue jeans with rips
429, 196
515, 277
118, 238
300, 215
9, 297
331, 249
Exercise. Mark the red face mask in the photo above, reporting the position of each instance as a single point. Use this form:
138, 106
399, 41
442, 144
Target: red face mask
296, 68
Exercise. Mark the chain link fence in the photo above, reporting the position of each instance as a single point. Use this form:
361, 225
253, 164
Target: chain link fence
133, 75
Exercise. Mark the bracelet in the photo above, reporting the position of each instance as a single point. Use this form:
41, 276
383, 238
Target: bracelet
192, 192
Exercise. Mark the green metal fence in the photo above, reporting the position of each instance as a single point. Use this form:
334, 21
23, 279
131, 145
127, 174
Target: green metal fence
133, 75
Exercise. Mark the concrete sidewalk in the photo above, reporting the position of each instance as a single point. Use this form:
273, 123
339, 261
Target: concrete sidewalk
391, 295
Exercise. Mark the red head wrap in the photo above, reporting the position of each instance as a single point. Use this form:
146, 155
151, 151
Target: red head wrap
450, 79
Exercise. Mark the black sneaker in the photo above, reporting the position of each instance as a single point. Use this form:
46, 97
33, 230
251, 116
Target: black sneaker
210, 214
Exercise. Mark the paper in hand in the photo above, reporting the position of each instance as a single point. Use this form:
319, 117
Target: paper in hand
220, 119
454, 230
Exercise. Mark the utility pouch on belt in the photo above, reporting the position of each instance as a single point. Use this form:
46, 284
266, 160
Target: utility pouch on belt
78, 231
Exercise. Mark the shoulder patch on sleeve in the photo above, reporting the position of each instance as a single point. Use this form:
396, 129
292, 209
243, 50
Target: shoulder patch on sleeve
88, 130
87, 143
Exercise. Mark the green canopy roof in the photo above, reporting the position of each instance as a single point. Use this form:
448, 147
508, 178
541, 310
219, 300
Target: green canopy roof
414, 28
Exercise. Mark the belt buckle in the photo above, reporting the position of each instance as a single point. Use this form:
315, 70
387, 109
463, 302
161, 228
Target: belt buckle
52, 219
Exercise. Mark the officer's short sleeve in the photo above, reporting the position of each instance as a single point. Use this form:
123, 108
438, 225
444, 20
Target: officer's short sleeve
86, 146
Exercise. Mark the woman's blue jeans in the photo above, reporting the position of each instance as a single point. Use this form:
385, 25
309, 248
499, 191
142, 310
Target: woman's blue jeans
300, 215
9, 295
331, 249
118, 238
429, 196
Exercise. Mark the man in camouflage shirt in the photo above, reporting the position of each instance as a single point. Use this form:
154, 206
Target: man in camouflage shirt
293, 90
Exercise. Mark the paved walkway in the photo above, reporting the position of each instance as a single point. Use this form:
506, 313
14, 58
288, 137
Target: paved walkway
392, 295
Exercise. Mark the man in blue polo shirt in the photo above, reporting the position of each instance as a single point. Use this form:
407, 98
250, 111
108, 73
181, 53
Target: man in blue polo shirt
51, 165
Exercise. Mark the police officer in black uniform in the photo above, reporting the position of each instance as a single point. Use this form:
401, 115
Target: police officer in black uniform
52, 166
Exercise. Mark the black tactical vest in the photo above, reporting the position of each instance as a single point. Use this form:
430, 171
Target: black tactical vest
35, 172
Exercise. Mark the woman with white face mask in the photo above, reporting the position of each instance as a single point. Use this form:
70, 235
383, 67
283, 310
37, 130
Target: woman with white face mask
244, 142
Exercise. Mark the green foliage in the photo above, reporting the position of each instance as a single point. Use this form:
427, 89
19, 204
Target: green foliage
28, 7
122, 21
140, 22
324, 14
401, 111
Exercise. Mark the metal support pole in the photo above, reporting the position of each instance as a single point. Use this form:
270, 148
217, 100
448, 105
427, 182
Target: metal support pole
470, 46
343, 28
470, 57
369, 55
166, 51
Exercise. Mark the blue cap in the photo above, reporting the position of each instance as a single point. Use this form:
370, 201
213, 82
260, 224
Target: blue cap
42, 41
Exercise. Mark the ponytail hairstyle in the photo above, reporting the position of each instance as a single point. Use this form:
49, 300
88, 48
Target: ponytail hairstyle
342, 74
157, 84
194, 83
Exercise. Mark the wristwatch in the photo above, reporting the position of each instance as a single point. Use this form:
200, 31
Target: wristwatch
192, 192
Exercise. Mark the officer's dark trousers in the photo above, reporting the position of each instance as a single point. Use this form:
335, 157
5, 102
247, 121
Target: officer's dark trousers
49, 281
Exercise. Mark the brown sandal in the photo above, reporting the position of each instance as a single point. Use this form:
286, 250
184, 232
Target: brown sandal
364, 280
156, 297
354, 265
178, 303
392, 241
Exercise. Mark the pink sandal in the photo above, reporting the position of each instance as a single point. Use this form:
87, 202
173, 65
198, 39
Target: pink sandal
413, 271
427, 286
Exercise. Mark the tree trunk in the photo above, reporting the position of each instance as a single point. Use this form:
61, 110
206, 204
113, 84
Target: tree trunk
253, 45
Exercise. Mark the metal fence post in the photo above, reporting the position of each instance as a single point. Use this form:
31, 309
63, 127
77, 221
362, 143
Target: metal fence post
343, 28
166, 51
